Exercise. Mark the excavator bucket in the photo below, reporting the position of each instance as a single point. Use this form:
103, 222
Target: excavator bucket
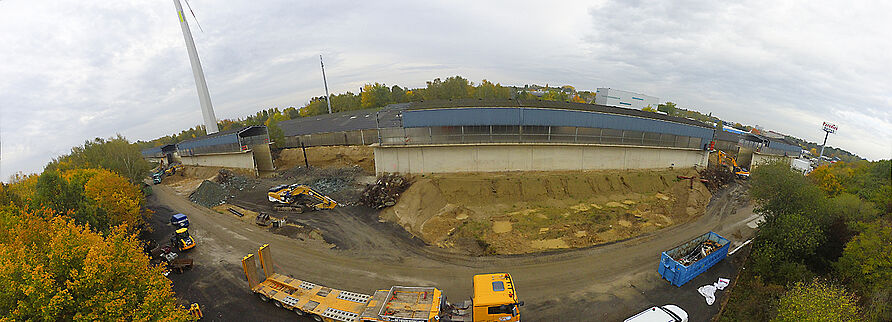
250, 269
266, 261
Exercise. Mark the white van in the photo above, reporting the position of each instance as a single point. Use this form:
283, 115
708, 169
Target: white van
665, 313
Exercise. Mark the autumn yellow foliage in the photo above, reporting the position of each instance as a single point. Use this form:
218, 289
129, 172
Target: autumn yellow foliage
52, 269
121, 200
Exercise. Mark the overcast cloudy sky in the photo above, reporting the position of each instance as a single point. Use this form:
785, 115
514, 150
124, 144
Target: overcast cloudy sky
75, 70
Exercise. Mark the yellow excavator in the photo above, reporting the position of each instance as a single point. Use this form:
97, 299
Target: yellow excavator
728, 161
298, 197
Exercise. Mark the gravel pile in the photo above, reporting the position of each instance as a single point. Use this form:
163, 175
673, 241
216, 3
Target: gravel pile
234, 182
209, 194
331, 185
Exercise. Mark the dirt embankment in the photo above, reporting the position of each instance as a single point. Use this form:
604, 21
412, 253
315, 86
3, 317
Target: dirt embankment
329, 156
514, 213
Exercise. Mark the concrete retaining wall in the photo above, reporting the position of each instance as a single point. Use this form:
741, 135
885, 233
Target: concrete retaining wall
263, 157
530, 157
242, 160
760, 159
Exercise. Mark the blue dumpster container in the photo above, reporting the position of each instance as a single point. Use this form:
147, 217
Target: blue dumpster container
678, 274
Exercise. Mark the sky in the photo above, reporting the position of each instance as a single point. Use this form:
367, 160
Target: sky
71, 71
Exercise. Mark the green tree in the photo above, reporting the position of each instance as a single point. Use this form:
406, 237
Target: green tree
795, 215
397, 94
668, 108
866, 265
316, 106
115, 154
556, 96
375, 95
818, 301
488, 90
62, 197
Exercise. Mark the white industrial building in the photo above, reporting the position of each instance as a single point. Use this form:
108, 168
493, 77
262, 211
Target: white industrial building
620, 98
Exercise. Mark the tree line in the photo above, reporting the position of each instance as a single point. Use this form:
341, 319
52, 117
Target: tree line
68, 241
824, 251
377, 95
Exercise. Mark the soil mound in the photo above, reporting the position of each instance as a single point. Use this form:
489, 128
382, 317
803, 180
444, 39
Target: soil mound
521, 212
329, 156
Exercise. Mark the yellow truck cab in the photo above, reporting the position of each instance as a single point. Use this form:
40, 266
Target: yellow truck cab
495, 298
182, 240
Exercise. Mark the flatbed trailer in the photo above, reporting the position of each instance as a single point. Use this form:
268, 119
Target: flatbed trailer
398, 304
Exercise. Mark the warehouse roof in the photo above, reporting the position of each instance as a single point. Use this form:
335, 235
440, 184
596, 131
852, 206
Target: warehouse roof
552, 104
387, 116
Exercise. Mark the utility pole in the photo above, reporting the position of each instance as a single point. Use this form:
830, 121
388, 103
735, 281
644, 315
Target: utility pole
204, 97
327, 97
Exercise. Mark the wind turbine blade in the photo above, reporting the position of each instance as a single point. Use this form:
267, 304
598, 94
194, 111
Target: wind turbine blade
193, 16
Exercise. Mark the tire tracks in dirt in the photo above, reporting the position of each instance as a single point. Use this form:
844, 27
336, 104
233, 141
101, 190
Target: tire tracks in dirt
553, 284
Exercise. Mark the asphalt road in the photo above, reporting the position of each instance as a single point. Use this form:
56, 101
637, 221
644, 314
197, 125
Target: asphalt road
603, 283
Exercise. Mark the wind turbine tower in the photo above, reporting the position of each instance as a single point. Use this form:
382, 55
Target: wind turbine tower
204, 97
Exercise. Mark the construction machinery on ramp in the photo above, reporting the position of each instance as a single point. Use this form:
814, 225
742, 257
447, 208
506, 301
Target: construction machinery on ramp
299, 198
731, 163
495, 298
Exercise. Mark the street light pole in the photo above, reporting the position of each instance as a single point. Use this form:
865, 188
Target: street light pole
327, 97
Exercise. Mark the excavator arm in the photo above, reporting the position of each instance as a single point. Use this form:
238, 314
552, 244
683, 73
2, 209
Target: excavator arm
290, 194
324, 202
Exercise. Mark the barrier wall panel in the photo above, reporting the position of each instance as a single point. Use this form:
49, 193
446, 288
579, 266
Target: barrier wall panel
530, 157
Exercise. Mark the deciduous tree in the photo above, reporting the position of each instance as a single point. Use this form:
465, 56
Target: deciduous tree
52, 269
818, 301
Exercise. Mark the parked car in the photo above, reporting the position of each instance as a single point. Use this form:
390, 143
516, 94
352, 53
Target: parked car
665, 313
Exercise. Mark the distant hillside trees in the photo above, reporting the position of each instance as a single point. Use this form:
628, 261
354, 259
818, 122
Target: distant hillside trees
115, 154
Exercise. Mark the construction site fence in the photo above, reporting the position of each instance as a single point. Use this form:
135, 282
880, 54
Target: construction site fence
356, 137
209, 149
531, 134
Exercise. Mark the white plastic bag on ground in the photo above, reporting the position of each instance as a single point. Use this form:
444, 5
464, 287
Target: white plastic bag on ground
722, 283
708, 291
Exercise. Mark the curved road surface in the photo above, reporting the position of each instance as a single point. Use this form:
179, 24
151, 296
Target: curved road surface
605, 282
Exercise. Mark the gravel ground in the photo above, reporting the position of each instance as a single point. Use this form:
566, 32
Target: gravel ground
209, 194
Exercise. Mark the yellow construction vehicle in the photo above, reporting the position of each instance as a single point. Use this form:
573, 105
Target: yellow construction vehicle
495, 298
298, 197
181, 240
727, 161
172, 170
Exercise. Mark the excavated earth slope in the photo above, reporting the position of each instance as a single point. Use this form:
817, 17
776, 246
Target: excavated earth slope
524, 212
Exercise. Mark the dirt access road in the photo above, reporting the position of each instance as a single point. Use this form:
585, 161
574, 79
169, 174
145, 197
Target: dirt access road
608, 282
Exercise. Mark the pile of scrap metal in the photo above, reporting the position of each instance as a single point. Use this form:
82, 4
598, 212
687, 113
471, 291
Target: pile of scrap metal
263, 219
385, 191
698, 252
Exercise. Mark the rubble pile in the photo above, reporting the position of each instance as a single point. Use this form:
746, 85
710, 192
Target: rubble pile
329, 186
385, 191
717, 176
232, 181
209, 194
337, 183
